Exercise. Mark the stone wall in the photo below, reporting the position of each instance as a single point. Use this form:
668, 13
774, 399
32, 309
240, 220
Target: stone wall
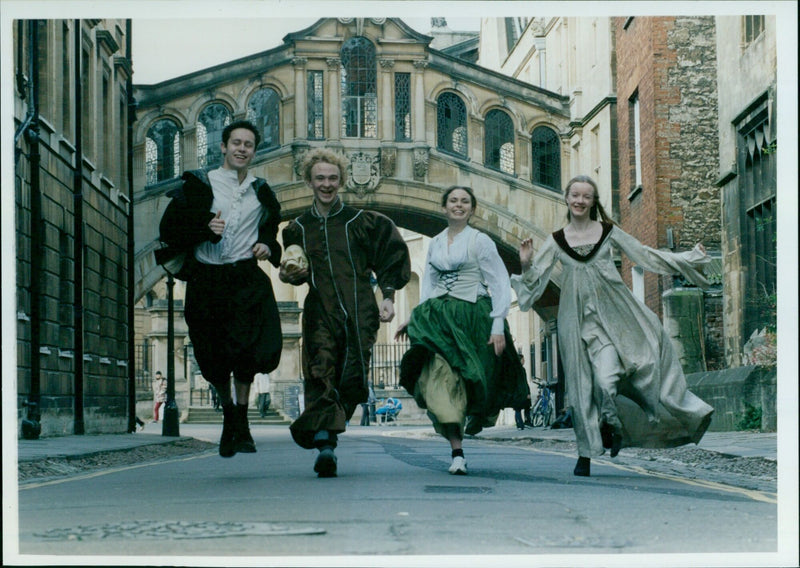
731, 391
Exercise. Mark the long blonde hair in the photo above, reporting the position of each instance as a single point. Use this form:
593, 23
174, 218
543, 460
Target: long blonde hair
597, 208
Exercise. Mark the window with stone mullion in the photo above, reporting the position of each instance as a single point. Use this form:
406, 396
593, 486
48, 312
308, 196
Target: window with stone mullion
499, 141
359, 89
263, 110
402, 107
451, 124
315, 102
210, 123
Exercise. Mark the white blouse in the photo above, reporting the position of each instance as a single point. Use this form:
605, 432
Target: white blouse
492, 270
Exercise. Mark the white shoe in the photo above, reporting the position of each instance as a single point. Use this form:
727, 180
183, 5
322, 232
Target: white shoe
458, 467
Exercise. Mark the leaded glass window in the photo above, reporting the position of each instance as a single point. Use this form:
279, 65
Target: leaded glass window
315, 105
212, 121
499, 141
359, 89
162, 151
546, 158
451, 124
264, 110
757, 183
402, 106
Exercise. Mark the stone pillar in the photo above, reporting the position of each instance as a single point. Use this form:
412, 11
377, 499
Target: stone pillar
286, 381
418, 104
333, 108
683, 320
189, 147
300, 118
385, 89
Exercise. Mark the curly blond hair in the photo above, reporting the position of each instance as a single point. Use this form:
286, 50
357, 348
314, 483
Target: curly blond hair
327, 156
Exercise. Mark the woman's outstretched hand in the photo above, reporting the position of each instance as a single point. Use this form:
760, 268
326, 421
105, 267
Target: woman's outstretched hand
526, 253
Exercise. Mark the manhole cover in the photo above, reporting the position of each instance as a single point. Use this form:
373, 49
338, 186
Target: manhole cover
456, 489
169, 530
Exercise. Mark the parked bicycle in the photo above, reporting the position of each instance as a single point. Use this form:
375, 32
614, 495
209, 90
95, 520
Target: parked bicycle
544, 409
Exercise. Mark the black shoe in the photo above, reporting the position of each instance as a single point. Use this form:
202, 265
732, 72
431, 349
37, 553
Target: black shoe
606, 431
227, 441
325, 466
582, 467
243, 440
616, 443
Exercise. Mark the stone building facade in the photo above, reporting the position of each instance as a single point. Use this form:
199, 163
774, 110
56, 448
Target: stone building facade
72, 203
747, 75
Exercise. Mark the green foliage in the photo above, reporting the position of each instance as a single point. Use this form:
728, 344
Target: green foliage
751, 419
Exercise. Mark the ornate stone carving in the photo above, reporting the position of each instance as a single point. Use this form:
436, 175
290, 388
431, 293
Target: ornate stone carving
299, 61
386, 63
299, 154
333, 63
388, 161
421, 156
420, 63
362, 173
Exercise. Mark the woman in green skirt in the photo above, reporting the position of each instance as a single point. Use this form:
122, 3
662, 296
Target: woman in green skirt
461, 365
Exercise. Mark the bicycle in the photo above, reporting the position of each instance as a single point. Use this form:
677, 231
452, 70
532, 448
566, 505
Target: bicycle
543, 411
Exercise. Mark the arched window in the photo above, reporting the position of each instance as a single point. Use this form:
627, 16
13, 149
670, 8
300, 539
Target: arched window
546, 158
264, 110
499, 141
162, 151
359, 89
212, 121
451, 124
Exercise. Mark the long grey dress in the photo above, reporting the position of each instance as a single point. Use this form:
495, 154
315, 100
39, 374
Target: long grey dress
619, 364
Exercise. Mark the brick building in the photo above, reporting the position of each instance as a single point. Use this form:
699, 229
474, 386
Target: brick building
667, 127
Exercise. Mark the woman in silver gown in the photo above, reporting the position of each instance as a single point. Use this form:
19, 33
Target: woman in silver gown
623, 379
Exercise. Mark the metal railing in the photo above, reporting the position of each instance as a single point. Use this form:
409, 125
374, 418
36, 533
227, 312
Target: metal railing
144, 356
385, 366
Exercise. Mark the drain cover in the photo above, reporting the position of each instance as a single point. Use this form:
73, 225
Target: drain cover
168, 530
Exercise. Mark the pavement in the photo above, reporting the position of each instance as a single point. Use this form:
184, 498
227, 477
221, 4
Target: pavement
745, 443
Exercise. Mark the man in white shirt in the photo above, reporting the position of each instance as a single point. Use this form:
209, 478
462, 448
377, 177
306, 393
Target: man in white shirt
225, 220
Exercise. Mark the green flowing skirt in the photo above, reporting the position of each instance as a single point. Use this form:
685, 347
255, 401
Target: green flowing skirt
458, 332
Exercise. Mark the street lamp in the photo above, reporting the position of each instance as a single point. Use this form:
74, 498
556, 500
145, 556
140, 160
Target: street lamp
169, 424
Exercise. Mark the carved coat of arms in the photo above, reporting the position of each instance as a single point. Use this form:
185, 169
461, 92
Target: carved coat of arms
363, 175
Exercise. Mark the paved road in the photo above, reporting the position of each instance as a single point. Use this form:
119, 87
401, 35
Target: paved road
393, 497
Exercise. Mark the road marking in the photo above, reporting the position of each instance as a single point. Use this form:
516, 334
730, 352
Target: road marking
763, 496
81, 477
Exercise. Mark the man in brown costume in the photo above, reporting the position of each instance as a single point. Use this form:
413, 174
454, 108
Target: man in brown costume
343, 247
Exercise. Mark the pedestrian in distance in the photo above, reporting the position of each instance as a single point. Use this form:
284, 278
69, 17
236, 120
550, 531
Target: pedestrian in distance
526, 420
461, 364
159, 394
336, 249
624, 383
222, 222
264, 396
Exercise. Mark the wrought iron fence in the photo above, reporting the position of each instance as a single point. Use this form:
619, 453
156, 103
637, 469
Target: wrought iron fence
144, 358
385, 367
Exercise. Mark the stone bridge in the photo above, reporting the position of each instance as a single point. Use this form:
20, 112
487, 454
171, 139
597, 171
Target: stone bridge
506, 214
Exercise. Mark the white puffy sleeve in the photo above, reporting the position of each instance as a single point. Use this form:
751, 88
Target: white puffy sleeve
531, 284
689, 264
495, 275
426, 286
